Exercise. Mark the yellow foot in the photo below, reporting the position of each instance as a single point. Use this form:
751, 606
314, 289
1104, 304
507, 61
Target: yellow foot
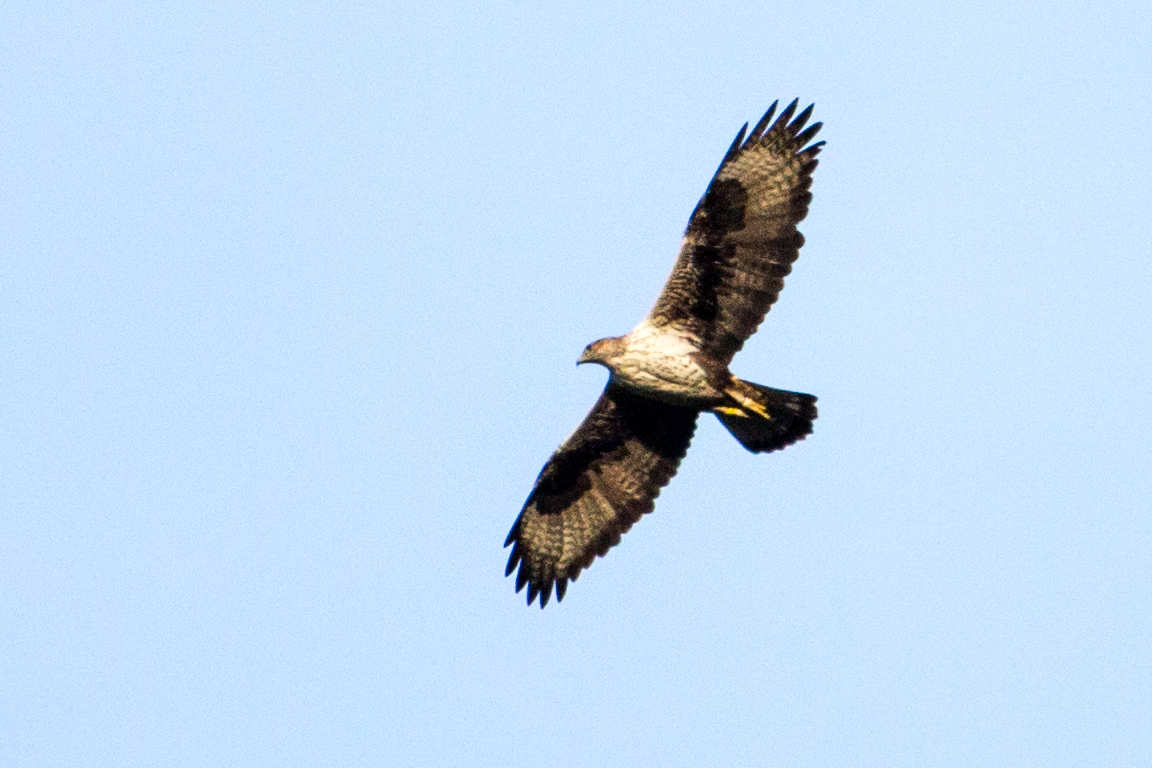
746, 402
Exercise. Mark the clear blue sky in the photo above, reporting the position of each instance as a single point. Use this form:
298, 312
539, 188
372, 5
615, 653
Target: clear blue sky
290, 300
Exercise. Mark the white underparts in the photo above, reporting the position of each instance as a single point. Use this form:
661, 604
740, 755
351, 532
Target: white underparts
659, 362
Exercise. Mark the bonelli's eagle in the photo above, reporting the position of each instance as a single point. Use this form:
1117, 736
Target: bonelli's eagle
740, 243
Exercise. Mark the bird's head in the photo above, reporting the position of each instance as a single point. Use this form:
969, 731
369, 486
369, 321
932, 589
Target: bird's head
604, 352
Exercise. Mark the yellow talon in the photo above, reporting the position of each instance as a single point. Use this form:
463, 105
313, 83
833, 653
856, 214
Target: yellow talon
746, 402
757, 408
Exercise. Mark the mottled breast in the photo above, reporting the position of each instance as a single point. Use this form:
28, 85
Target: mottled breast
662, 364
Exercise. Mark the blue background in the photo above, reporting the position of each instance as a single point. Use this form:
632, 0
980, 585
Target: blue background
290, 297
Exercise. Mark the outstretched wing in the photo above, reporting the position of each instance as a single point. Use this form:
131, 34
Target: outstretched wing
742, 238
595, 486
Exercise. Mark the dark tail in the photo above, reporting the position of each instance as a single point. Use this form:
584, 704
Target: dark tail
766, 419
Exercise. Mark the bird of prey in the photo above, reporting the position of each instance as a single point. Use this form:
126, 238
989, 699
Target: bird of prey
740, 243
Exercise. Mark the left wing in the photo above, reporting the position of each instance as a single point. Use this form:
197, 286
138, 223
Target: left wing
596, 485
742, 239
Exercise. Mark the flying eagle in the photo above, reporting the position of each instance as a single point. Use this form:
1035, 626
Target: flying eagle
740, 243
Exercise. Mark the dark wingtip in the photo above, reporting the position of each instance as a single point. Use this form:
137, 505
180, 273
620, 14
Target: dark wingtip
561, 587
514, 531
811, 131
786, 115
513, 560
734, 149
732, 152
760, 126
801, 119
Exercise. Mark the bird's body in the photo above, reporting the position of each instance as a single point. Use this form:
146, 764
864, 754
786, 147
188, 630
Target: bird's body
740, 243
660, 363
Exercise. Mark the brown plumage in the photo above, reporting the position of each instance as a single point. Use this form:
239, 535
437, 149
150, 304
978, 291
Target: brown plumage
740, 243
